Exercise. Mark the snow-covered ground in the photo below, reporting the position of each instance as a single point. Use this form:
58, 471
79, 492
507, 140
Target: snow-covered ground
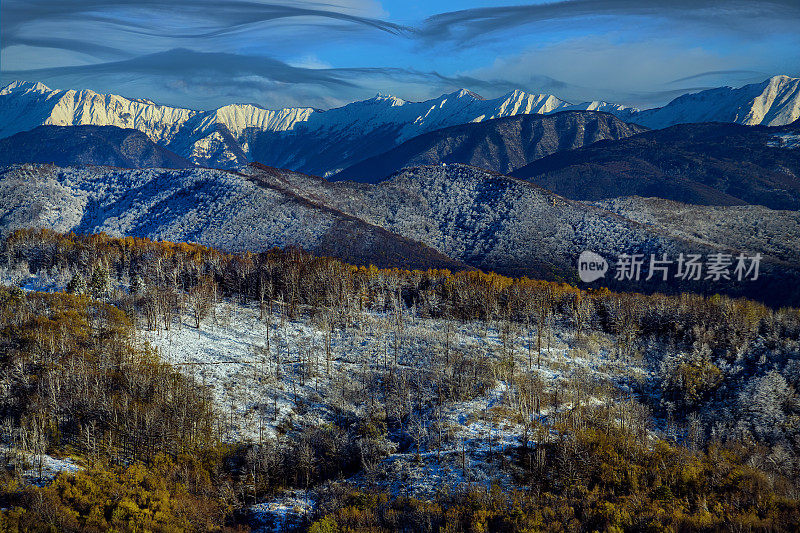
785, 140
282, 513
229, 355
235, 353
268, 376
30, 463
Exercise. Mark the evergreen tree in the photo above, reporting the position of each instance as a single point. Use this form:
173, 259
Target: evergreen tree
137, 285
100, 284
77, 284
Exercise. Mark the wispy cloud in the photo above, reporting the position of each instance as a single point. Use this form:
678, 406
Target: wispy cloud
191, 64
210, 52
638, 73
202, 18
171, 45
470, 24
725, 73
255, 75
72, 45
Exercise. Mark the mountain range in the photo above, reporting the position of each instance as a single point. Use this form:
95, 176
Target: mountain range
326, 142
773, 102
306, 139
583, 155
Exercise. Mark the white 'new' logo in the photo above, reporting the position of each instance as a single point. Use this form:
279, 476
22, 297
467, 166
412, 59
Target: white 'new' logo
591, 266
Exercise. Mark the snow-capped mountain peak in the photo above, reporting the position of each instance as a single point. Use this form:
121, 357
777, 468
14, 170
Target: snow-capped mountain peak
773, 102
383, 98
778, 103
463, 93
25, 105
239, 117
25, 86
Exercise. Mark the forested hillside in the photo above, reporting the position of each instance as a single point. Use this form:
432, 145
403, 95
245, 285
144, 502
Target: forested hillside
192, 389
500, 145
87, 145
702, 164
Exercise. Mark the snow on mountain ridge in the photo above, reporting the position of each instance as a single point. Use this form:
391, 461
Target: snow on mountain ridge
26, 105
238, 117
25, 86
234, 134
773, 102
252, 132
88, 107
782, 90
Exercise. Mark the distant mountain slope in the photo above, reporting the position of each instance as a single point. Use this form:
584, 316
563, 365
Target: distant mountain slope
87, 145
501, 145
773, 102
213, 207
707, 164
753, 228
485, 219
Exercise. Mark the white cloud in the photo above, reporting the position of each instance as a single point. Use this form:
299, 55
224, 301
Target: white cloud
640, 73
308, 61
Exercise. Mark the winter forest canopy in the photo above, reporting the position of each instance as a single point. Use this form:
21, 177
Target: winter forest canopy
171, 387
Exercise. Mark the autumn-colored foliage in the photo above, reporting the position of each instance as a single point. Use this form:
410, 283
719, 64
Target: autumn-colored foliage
159, 497
594, 480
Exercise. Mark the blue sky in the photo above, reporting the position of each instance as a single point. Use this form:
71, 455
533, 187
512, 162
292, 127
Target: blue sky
206, 53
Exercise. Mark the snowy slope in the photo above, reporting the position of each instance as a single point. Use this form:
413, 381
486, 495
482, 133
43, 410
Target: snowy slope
201, 205
485, 219
753, 227
213, 207
510, 226
467, 214
773, 102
